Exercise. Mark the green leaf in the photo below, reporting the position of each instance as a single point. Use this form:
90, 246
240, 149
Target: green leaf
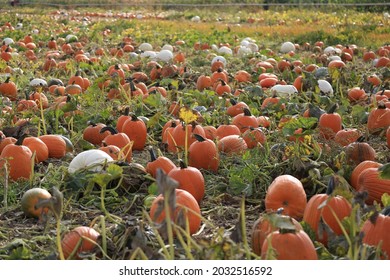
384, 171
385, 200
300, 122
115, 171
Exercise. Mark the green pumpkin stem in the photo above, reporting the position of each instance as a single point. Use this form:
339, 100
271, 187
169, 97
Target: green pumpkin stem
247, 112
233, 101
331, 186
333, 108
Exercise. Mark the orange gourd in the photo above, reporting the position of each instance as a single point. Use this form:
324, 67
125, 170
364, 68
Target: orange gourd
88, 237
203, 153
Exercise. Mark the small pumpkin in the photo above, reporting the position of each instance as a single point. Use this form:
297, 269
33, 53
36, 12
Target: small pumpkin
330, 123
232, 144
38, 147
326, 211
119, 139
112, 150
289, 244
375, 231
88, 237
286, 192
29, 200
203, 153
92, 133
185, 207
245, 120
226, 130
18, 159
9, 89
254, 137
158, 162
359, 151
347, 136
189, 179
177, 139
236, 107
136, 130
266, 224
203, 82
378, 119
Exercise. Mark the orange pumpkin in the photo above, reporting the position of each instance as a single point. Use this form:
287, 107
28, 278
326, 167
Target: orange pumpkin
158, 162
203, 153
245, 120
56, 145
88, 237
286, 192
378, 119
232, 144
370, 181
354, 179
38, 147
330, 123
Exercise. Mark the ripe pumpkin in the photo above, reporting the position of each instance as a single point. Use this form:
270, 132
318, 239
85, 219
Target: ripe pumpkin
266, 224
203, 82
330, 123
232, 144
378, 119
226, 130
203, 153
9, 89
376, 229
325, 211
189, 179
158, 162
289, 245
29, 200
19, 160
245, 120
38, 147
354, 180
177, 139
370, 181
359, 151
113, 151
6, 141
92, 133
136, 130
184, 201
347, 136
72, 238
254, 137
388, 137
286, 192
56, 145
236, 107
119, 139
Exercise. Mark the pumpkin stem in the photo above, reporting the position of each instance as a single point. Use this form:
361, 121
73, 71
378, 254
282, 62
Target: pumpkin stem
134, 118
386, 211
333, 108
91, 123
331, 186
110, 129
374, 217
233, 101
182, 164
247, 112
199, 138
381, 105
360, 139
7, 80
153, 155
19, 142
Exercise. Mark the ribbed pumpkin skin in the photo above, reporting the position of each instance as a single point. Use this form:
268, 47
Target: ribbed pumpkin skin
261, 228
357, 152
136, 130
347, 136
19, 160
378, 120
183, 200
190, 179
377, 232
56, 145
92, 133
290, 246
329, 125
226, 130
369, 180
245, 120
359, 169
312, 215
38, 146
286, 192
204, 155
70, 240
161, 162
232, 144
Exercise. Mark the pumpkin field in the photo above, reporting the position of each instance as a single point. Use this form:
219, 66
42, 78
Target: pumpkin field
207, 134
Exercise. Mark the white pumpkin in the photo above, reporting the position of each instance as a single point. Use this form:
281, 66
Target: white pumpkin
287, 47
325, 87
8, 41
38, 82
71, 38
165, 55
145, 47
225, 50
284, 90
220, 58
91, 158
